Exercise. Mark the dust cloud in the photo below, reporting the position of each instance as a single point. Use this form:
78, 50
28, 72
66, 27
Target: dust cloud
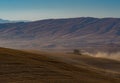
115, 56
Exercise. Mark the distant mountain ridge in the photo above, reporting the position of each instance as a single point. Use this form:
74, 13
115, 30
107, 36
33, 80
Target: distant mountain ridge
10, 21
4, 21
83, 32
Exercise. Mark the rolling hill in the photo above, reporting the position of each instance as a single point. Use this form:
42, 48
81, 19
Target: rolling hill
85, 32
26, 67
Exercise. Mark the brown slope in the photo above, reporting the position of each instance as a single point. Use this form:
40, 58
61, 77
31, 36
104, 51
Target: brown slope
18, 66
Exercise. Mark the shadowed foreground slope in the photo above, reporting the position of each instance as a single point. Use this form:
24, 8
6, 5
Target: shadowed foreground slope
24, 67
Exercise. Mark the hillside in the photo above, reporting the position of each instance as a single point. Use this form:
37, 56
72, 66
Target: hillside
25, 67
84, 32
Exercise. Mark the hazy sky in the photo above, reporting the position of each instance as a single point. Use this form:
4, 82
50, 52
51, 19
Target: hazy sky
45, 9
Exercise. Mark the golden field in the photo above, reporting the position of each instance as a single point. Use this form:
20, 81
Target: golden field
45, 67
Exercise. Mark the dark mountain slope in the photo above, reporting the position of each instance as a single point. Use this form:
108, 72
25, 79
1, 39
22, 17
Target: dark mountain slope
62, 33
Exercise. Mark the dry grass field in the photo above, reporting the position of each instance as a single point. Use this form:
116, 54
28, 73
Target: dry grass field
30, 67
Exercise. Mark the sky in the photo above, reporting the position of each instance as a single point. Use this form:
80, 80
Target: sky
50, 9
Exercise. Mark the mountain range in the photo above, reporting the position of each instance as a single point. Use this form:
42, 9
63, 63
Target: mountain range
4, 21
81, 33
10, 21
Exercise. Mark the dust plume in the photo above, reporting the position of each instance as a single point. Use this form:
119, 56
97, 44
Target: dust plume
115, 56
